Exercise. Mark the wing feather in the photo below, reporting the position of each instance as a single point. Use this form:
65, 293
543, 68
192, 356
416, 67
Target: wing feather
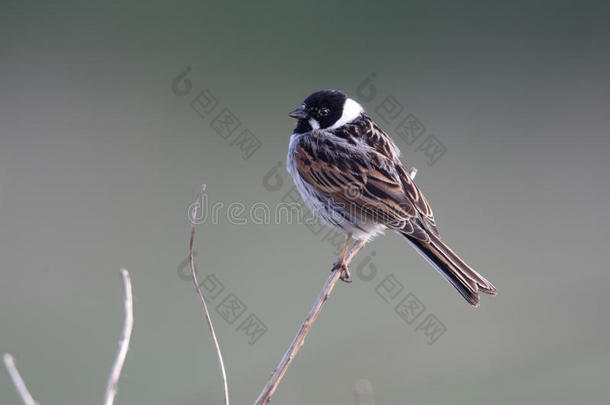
362, 181
370, 134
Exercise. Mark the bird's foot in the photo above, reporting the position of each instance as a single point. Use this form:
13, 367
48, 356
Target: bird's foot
342, 267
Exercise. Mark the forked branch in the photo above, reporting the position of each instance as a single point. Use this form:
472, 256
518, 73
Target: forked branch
115, 373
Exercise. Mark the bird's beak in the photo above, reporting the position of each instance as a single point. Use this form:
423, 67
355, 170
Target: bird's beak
299, 113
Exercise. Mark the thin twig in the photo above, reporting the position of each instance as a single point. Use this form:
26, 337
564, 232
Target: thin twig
115, 373
299, 339
22, 389
297, 343
193, 219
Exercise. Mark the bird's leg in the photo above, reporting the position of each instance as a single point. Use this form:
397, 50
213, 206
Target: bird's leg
357, 247
340, 263
354, 250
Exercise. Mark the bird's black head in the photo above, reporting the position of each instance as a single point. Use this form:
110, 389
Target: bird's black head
325, 109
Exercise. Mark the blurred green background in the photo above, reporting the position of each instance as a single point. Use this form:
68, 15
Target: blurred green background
99, 160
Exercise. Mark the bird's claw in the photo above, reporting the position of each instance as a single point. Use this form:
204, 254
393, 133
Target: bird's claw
345, 277
342, 267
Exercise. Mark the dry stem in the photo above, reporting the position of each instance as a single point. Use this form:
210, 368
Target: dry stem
193, 219
299, 339
22, 389
115, 373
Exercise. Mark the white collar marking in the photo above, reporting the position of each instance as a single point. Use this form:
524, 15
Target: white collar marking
351, 111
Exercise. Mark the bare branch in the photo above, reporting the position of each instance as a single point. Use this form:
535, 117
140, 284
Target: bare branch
22, 390
115, 373
297, 343
193, 219
299, 339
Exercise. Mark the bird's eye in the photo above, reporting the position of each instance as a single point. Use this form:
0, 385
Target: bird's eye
324, 112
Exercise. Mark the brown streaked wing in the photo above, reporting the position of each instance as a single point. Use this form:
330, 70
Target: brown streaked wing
417, 198
365, 130
364, 183
380, 141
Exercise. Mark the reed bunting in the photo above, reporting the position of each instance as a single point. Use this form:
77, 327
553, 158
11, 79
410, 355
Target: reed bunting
349, 174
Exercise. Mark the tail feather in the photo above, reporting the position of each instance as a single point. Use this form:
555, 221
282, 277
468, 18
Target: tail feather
467, 281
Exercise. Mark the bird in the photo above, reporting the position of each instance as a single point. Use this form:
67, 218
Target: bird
349, 174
